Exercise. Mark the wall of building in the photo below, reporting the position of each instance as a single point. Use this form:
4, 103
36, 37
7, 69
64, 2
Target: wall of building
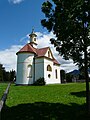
23, 61
58, 78
50, 76
25, 64
39, 68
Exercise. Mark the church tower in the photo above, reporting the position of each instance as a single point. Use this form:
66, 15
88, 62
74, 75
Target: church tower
33, 39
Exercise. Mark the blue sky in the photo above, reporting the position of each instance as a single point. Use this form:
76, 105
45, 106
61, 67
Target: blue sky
17, 18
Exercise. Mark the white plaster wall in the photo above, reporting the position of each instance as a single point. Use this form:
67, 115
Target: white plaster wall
23, 60
47, 54
46, 73
52, 79
39, 68
58, 80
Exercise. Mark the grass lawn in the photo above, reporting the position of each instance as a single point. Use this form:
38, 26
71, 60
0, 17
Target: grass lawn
50, 102
3, 87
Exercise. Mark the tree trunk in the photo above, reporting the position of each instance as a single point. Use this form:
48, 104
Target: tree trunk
87, 82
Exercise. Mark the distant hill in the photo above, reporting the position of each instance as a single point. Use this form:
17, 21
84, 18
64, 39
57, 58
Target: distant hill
75, 72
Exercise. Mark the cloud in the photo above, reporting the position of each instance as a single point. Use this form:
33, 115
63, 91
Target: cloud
15, 1
9, 59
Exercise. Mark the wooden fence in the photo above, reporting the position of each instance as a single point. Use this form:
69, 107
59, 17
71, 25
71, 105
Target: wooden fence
3, 99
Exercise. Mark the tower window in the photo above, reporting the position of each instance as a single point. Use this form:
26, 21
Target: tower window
34, 39
49, 68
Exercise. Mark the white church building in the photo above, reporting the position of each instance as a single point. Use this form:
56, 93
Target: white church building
34, 63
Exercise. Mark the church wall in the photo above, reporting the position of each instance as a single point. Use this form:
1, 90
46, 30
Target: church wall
50, 75
23, 61
39, 68
58, 79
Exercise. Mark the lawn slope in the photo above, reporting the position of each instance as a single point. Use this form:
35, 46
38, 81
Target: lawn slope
3, 87
50, 102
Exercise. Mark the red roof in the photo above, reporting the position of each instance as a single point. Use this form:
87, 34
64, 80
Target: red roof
39, 52
55, 61
27, 48
42, 51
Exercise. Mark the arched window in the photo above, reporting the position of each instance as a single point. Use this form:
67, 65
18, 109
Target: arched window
49, 68
29, 71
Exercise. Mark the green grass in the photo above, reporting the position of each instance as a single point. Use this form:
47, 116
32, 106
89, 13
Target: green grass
3, 86
50, 102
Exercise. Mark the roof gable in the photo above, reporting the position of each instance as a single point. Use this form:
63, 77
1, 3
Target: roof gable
49, 54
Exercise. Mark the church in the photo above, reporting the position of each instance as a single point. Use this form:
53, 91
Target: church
34, 63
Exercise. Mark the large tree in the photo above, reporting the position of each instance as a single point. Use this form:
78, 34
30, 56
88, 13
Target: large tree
69, 20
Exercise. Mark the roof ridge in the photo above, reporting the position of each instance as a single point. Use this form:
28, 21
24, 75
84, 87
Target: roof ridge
34, 49
43, 48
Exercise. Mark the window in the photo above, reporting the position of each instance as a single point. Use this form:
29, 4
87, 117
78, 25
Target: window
49, 54
49, 75
49, 68
56, 73
29, 72
34, 39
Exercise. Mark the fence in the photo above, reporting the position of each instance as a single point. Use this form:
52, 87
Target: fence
3, 99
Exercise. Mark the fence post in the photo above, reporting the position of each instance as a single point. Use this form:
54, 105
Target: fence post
3, 99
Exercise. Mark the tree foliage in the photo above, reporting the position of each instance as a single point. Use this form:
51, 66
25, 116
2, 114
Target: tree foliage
70, 22
66, 18
5, 75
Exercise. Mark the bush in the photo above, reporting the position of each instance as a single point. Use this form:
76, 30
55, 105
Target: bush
40, 82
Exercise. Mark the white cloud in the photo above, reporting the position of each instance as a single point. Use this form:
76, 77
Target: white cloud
9, 59
15, 1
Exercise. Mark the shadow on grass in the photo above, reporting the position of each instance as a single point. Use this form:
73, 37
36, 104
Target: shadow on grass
45, 111
79, 94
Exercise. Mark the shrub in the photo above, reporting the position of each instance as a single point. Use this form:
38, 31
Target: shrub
40, 82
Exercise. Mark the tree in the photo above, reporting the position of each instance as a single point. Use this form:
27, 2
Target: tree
6, 75
70, 22
12, 75
2, 73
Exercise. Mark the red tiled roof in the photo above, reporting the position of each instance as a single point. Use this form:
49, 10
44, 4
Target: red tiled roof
55, 61
27, 48
42, 51
39, 52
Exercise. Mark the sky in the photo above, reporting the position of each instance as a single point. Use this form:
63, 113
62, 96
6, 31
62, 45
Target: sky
17, 19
